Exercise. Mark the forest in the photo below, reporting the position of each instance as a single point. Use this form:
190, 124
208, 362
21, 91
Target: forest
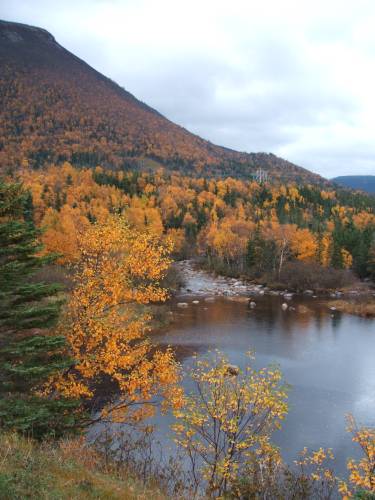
259, 230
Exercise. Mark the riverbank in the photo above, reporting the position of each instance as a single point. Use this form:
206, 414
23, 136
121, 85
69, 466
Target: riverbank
200, 282
365, 308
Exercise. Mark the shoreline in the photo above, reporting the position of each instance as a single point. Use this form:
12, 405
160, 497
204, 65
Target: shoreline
201, 283
198, 281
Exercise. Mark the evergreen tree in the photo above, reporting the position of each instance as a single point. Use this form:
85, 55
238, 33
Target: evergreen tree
337, 246
371, 262
361, 252
260, 255
28, 355
251, 251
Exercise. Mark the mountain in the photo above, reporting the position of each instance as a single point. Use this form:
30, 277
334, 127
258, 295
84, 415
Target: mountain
56, 108
362, 182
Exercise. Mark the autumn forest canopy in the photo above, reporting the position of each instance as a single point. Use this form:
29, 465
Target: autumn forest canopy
238, 227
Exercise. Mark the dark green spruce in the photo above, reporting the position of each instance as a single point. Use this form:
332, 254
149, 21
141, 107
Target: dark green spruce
29, 354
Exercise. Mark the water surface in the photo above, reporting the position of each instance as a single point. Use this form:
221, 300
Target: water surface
327, 357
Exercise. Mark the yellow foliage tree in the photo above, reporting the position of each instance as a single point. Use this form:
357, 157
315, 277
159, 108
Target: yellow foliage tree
62, 230
119, 270
144, 218
361, 472
324, 249
304, 245
230, 416
347, 259
177, 237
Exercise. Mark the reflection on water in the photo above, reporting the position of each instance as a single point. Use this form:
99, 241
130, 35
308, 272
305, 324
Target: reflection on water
328, 358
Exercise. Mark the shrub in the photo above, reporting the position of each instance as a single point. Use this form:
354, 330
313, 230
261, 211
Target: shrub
310, 275
229, 418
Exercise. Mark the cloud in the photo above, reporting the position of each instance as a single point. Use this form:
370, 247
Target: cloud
294, 78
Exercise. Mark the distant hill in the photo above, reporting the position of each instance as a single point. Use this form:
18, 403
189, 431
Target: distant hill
55, 108
362, 182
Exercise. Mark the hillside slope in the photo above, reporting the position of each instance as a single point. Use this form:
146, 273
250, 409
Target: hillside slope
362, 182
55, 107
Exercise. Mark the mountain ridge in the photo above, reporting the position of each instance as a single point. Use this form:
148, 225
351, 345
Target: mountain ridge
364, 183
58, 108
6, 28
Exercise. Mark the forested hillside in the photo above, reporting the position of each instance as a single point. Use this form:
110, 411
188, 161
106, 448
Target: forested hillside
56, 108
240, 227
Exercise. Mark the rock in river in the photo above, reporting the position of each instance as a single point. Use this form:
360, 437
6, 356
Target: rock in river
209, 299
232, 370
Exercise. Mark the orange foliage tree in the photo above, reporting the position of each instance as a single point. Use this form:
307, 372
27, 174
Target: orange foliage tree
61, 232
119, 270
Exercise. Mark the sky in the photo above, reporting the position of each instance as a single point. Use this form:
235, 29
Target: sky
295, 78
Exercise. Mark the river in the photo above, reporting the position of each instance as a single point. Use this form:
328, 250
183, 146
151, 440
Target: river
328, 358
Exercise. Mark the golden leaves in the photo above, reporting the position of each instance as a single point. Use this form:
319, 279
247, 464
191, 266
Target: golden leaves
229, 417
361, 472
105, 325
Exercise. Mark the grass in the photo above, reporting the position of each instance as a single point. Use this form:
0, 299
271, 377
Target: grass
64, 470
365, 308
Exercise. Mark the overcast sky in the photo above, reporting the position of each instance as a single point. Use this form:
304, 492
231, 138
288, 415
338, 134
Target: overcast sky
296, 78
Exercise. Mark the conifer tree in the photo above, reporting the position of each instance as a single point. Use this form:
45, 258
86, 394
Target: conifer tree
28, 355
371, 262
